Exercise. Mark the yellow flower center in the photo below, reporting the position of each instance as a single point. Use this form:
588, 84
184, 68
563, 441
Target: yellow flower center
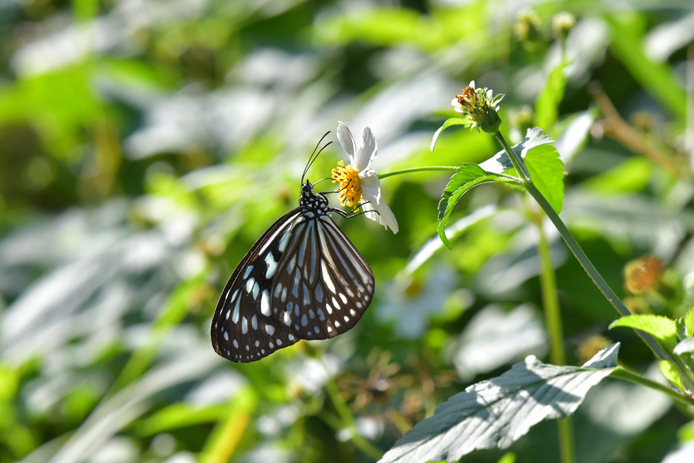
348, 178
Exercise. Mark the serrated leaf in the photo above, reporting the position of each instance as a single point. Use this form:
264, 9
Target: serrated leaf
547, 102
500, 162
547, 173
661, 328
467, 173
671, 373
469, 176
450, 122
688, 322
496, 412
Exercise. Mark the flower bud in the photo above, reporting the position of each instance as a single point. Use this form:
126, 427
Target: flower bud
562, 23
477, 106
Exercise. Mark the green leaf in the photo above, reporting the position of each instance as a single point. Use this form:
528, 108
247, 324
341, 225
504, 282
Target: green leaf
661, 328
468, 176
448, 123
669, 370
547, 103
631, 176
500, 162
497, 412
658, 79
547, 173
180, 415
687, 323
468, 172
572, 134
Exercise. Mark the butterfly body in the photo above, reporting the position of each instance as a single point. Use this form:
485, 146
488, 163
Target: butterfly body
302, 279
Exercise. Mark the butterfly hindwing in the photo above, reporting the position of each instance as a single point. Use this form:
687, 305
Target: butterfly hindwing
243, 326
324, 285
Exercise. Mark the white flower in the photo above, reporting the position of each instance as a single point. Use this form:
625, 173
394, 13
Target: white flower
358, 181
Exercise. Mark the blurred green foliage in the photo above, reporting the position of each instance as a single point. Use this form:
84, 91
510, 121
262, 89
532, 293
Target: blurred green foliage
146, 144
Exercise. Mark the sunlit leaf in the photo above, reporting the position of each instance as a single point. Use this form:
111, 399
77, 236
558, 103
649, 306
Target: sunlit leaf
547, 103
631, 176
180, 415
497, 412
500, 162
572, 133
661, 328
448, 123
547, 173
670, 371
685, 325
468, 176
658, 79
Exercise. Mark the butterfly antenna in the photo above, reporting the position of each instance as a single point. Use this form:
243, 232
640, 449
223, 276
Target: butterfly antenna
314, 155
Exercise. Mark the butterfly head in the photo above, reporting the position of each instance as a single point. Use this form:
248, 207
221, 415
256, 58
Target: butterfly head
310, 201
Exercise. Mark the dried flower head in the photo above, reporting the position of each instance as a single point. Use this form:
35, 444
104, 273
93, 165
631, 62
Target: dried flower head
479, 108
643, 275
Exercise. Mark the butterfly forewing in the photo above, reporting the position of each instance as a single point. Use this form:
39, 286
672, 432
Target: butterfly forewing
243, 325
303, 279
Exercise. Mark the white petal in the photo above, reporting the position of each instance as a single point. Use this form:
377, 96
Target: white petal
472, 84
367, 152
371, 192
344, 136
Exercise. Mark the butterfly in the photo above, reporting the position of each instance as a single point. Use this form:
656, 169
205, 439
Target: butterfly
302, 279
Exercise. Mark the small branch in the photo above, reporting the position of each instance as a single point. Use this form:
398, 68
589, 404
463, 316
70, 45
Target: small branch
615, 127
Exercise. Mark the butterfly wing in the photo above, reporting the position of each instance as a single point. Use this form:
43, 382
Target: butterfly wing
323, 285
243, 326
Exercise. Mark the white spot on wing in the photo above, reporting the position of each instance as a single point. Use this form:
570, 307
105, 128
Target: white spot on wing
254, 322
244, 325
326, 277
271, 266
283, 242
235, 317
265, 303
269, 329
249, 269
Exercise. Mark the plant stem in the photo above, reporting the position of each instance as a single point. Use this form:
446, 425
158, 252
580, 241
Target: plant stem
583, 259
419, 169
556, 335
348, 423
636, 378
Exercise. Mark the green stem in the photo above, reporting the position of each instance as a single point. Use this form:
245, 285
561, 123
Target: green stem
516, 161
348, 423
636, 378
556, 335
419, 169
583, 259
549, 298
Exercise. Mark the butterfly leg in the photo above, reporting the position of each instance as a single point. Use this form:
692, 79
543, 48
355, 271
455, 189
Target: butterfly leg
335, 191
349, 215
